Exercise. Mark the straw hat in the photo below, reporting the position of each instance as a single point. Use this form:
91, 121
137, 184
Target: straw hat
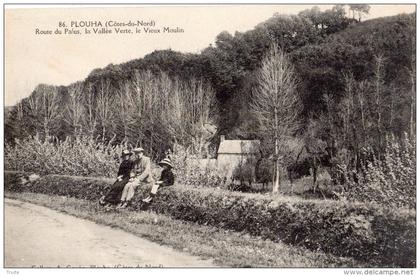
138, 150
166, 161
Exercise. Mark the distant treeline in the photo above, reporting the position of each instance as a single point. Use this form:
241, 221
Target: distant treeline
363, 69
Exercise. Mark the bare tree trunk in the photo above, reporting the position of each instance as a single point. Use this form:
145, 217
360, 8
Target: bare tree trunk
46, 130
391, 111
361, 101
19, 111
151, 141
91, 117
91, 133
276, 184
104, 102
49, 107
103, 133
200, 145
378, 99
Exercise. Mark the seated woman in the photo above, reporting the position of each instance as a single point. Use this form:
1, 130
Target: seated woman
166, 179
123, 175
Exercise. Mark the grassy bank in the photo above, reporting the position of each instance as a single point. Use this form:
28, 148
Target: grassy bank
226, 248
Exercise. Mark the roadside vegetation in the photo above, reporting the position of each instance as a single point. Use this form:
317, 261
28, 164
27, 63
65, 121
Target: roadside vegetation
227, 248
368, 232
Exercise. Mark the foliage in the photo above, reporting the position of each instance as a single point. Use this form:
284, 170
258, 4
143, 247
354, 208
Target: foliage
351, 131
390, 181
381, 236
81, 156
245, 171
360, 9
147, 109
357, 86
86, 157
321, 44
321, 66
189, 172
264, 171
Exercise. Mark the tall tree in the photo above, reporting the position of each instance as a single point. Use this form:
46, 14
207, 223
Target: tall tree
190, 106
360, 10
74, 109
48, 106
379, 83
276, 104
124, 108
150, 105
362, 91
90, 120
104, 103
347, 110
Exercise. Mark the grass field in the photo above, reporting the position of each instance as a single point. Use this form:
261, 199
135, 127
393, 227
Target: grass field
226, 248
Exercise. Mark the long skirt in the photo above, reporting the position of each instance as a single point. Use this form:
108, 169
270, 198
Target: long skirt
114, 194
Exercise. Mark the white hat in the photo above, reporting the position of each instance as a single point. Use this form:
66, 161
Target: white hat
166, 161
138, 150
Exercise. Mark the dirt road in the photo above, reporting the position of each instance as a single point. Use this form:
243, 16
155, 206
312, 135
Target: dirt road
38, 236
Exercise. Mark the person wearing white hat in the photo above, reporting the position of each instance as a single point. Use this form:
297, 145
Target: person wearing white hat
166, 179
141, 174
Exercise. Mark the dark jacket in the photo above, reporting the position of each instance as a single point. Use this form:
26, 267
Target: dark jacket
114, 194
125, 168
167, 177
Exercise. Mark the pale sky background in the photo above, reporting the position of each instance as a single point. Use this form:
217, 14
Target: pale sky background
60, 60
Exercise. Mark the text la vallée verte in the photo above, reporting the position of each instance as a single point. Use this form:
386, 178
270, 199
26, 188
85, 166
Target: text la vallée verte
108, 27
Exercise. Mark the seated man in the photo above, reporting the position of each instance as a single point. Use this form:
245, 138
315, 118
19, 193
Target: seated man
141, 173
166, 179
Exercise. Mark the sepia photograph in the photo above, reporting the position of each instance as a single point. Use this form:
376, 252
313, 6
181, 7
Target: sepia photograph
210, 136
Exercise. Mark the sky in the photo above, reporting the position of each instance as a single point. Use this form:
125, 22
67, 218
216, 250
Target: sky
32, 58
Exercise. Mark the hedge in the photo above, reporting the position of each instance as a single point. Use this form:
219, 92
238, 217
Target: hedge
380, 236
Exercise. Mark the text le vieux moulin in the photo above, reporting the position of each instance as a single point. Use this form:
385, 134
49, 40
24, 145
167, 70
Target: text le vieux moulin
110, 26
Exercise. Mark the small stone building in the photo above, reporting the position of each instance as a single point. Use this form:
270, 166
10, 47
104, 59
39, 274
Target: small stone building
232, 153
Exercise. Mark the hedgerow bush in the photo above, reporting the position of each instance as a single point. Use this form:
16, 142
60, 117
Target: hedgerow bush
13, 181
391, 180
81, 156
378, 235
188, 171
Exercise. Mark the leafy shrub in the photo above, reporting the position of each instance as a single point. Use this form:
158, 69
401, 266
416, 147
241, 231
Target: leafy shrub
86, 157
82, 156
390, 181
13, 181
245, 172
382, 236
264, 171
188, 171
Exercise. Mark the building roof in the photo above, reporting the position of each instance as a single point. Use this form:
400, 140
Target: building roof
239, 147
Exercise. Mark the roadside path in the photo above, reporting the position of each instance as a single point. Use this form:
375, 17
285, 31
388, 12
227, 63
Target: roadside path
38, 236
